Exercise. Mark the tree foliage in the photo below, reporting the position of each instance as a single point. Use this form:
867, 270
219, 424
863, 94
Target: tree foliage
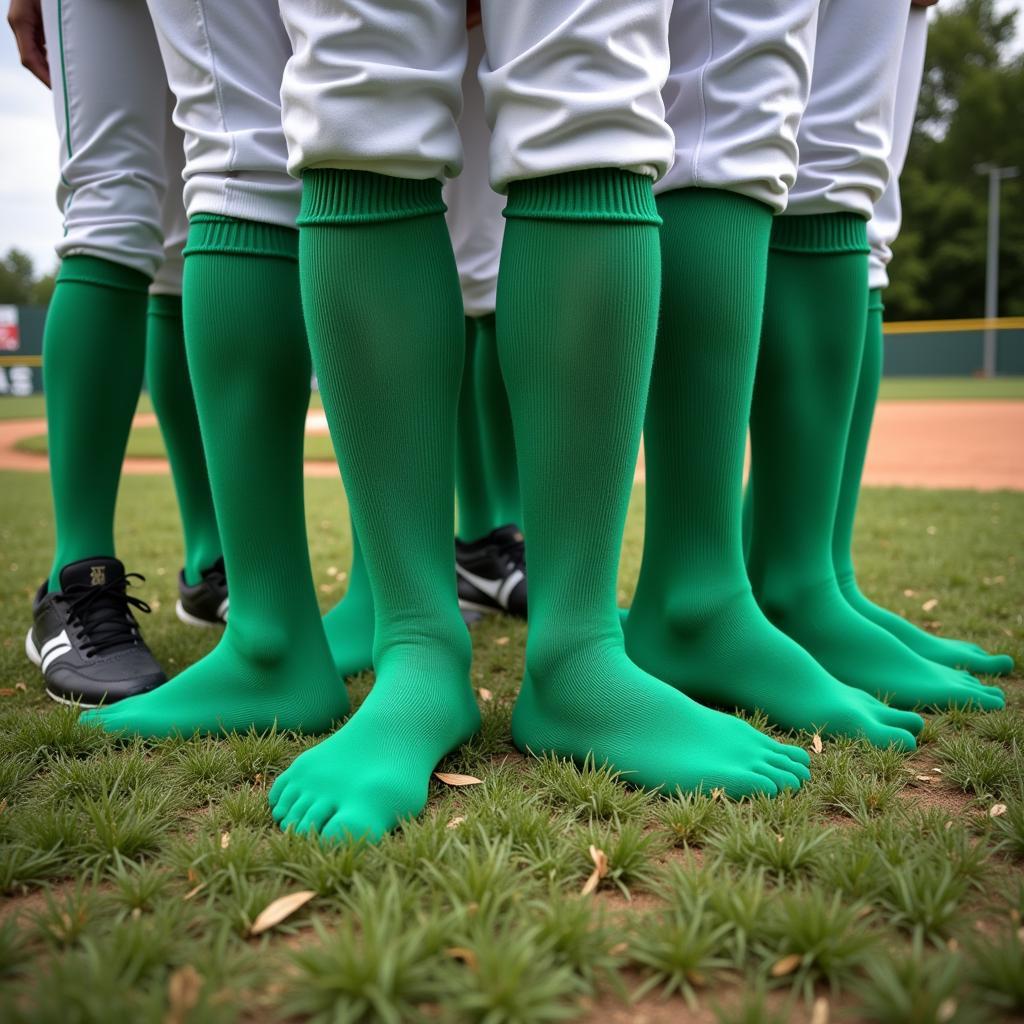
971, 111
19, 283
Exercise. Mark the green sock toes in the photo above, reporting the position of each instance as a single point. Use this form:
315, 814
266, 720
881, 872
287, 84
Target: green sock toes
869, 658
375, 771
233, 690
603, 706
943, 651
732, 656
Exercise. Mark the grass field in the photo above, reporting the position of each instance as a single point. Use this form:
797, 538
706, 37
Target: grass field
885, 891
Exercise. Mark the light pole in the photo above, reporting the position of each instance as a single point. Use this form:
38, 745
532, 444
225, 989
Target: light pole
995, 176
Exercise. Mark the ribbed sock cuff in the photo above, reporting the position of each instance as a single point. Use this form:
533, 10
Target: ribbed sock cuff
167, 307
821, 233
93, 270
875, 303
362, 197
601, 194
212, 233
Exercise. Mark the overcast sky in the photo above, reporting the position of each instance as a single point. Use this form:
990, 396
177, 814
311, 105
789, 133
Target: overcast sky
28, 155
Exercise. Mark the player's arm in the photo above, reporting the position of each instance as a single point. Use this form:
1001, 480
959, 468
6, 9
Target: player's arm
26, 20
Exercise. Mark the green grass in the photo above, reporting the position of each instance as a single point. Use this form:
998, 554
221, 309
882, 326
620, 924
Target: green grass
894, 898
951, 388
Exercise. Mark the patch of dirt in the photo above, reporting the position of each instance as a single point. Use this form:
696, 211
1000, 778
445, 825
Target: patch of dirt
947, 444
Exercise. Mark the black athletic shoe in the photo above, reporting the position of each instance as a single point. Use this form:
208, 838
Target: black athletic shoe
205, 604
492, 573
86, 640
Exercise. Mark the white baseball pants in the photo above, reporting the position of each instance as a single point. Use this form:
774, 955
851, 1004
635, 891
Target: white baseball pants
375, 85
474, 215
739, 80
845, 134
224, 64
120, 156
884, 225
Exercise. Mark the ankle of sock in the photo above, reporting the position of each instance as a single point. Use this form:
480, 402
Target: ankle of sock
820, 233
600, 194
875, 303
361, 197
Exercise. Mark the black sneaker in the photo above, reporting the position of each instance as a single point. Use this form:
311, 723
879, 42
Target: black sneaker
205, 604
492, 573
86, 640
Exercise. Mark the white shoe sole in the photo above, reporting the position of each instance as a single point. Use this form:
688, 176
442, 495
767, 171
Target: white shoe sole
193, 620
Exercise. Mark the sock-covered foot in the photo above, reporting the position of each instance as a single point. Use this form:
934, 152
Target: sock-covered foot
349, 624
600, 704
246, 682
375, 771
942, 650
952, 653
864, 655
576, 332
381, 297
815, 319
249, 360
728, 654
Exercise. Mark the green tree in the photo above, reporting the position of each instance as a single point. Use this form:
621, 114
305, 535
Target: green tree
19, 285
969, 113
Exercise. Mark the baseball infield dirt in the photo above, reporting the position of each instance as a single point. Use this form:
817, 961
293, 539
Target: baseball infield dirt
948, 444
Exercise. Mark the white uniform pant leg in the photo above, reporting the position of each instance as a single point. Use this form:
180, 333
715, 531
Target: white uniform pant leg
174, 220
224, 64
374, 85
738, 83
575, 84
474, 215
109, 95
846, 132
884, 225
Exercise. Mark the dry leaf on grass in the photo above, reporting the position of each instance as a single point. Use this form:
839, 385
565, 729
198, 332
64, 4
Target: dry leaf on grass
819, 1013
946, 1010
997, 810
816, 745
456, 822
225, 840
183, 989
454, 779
485, 694
930, 604
282, 907
787, 965
926, 778
600, 859
501, 641
195, 891
467, 956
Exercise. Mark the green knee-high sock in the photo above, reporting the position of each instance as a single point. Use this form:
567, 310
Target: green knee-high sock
381, 298
955, 653
349, 624
577, 308
94, 348
813, 336
495, 418
694, 621
249, 362
170, 389
474, 500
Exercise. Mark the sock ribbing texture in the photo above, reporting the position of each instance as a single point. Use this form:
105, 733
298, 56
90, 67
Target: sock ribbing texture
94, 347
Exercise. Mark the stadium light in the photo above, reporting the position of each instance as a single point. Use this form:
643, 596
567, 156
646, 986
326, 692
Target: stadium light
995, 176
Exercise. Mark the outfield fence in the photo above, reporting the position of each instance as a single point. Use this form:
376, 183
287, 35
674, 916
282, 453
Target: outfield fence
917, 348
